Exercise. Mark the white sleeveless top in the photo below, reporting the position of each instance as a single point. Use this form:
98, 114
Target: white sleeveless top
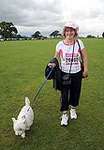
65, 53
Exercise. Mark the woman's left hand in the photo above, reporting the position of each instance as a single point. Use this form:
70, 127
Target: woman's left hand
85, 73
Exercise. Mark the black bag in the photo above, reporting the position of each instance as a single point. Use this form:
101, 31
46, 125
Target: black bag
66, 79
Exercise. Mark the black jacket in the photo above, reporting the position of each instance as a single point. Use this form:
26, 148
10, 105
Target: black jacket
54, 73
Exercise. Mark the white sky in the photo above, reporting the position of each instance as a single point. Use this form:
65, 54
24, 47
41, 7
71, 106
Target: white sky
49, 15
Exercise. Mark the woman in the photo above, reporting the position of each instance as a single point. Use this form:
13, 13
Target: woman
70, 51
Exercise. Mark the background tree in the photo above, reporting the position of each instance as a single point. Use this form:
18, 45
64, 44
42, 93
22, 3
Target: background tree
19, 36
103, 34
55, 33
91, 36
37, 35
7, 30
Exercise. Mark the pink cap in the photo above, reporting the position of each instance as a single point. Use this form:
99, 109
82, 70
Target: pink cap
72, 25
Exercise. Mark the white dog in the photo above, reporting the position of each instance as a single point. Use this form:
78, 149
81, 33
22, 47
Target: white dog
24, 119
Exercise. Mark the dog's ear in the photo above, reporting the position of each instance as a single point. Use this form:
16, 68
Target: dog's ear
14, 120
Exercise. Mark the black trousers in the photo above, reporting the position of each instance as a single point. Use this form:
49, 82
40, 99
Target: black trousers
70, 94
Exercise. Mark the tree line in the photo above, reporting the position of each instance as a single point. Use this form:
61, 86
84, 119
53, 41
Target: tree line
8, 30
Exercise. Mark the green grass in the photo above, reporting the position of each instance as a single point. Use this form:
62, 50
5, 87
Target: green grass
22, 66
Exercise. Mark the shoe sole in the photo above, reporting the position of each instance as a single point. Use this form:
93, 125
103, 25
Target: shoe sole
73, 118
64, 125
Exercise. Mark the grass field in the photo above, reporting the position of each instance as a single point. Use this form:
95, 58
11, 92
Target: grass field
22, 66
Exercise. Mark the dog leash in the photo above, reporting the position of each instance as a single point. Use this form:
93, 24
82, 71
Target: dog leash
38, 91
41, 87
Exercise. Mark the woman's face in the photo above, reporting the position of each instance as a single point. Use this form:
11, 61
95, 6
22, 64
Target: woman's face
69, 33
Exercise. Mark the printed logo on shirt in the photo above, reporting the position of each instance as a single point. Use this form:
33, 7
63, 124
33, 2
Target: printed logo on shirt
69, 58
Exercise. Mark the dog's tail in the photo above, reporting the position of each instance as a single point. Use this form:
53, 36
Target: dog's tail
27, 101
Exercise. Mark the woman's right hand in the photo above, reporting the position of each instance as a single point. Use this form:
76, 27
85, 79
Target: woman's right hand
52, 65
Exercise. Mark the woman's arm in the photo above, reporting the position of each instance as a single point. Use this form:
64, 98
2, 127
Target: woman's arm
85, 62
55, 56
